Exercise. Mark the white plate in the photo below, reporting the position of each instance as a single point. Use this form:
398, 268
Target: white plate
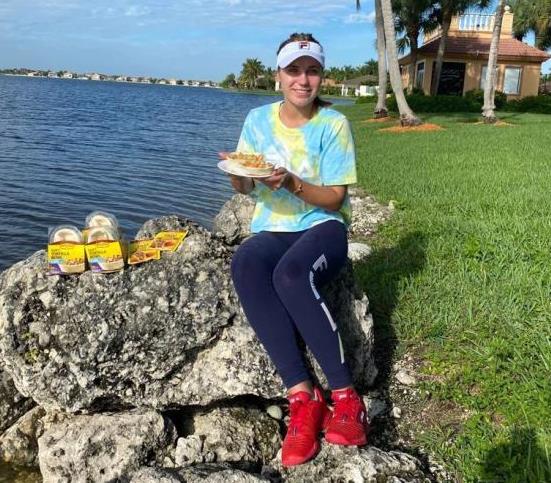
232, 169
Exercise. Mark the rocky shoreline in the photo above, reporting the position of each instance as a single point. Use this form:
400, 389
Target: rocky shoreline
153, 374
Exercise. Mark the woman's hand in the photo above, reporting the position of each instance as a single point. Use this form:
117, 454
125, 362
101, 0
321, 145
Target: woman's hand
241, 184
277, 180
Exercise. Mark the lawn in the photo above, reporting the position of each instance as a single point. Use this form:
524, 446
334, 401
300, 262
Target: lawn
461, 277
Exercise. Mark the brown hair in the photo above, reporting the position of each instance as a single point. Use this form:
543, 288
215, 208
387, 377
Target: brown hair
296, 37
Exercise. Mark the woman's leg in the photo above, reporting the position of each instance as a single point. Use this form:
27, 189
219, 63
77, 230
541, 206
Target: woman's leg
252, 269
315, 258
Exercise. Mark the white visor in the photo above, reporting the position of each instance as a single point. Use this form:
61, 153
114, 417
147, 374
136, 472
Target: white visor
293, 50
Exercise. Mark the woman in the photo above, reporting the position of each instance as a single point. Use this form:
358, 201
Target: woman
300, 220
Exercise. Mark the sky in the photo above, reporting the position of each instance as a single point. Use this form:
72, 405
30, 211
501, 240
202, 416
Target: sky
185, 39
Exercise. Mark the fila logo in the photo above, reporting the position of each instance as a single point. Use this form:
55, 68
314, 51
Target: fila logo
304, 45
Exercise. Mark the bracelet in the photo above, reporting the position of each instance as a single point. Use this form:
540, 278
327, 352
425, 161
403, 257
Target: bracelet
298, 190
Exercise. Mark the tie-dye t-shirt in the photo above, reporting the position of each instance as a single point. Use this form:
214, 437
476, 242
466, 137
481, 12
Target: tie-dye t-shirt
320, 152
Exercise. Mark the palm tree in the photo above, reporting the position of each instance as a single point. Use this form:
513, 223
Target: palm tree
489, 88
533, 16
449, 8
413, 16
380, 109
407, 117
251, 70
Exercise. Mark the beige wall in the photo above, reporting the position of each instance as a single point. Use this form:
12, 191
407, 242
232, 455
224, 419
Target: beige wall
529, 79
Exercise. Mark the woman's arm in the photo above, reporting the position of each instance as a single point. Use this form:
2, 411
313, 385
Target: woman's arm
326, 197
241, 184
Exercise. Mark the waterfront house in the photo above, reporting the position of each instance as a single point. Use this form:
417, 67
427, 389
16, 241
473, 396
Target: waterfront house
172, 82
360, 86
466, 59
95, 77
67, 75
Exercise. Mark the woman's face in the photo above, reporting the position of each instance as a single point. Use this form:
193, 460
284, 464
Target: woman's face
300, 81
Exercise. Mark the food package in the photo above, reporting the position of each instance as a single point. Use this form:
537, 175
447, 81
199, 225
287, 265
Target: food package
168, 240
102, 219
104, 249
140, 251
66, 251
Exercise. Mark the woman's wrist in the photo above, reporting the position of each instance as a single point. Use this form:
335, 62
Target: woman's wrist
293, 184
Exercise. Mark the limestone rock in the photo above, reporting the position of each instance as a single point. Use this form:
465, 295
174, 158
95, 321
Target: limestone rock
242, 436
358, 251
12, 404
355, 465
103, 447
19, 444
155, 475
164, 334
216, 473
233, 221
404, 378
367, 214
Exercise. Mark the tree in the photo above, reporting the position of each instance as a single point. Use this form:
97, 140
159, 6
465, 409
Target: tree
407, 117
229, 81
252, 69
449, 8
490, 86
413, 17
380, 108
533, 16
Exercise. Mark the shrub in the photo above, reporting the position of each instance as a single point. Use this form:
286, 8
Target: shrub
538, 104
437, 104
477, 95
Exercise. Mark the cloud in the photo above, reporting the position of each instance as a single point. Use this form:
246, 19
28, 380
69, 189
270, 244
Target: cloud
137, 11
360, 18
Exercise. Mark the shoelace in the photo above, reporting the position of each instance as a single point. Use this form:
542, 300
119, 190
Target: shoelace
298, 413
347, 409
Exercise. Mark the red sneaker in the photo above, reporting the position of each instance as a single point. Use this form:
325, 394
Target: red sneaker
308, 417
348, 425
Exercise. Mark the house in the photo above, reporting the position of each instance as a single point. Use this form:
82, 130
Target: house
95, 77
360, 86
466, 59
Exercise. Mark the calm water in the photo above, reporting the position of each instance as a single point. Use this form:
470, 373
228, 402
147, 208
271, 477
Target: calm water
138, 151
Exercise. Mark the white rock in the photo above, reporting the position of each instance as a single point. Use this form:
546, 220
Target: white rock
358, 251
404, 378
396, 412
275, 412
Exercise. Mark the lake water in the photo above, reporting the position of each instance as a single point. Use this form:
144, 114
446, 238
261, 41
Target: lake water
139, 151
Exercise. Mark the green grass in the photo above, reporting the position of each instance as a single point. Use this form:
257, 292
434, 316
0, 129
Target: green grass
462, 276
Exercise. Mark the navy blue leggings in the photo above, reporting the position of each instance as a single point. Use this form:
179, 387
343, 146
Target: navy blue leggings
277, 275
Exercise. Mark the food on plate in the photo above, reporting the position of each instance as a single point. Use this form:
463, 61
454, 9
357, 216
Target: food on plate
253, 163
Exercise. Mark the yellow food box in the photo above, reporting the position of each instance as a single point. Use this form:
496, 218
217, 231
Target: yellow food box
105, 256
140, 251
66, 258
168, 240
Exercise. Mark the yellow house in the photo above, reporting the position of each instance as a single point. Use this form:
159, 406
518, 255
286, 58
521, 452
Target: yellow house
466, 59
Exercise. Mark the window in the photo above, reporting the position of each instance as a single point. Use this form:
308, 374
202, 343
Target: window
511, 84
420, 77
483, 76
